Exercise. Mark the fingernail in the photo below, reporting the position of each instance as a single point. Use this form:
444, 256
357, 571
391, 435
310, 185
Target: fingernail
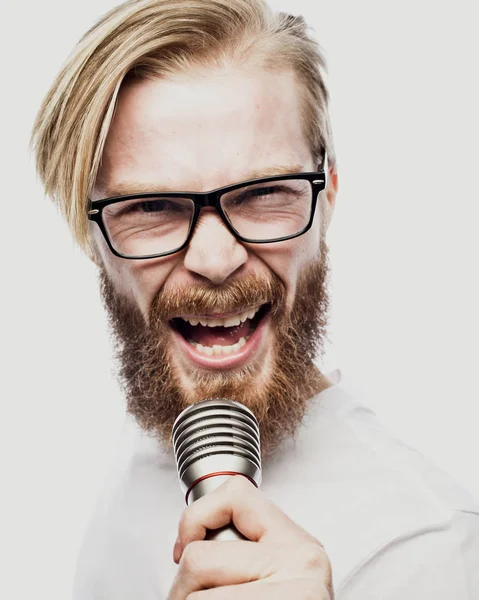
177, 551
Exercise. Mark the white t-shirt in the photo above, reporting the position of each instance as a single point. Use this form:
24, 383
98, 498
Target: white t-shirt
394, 526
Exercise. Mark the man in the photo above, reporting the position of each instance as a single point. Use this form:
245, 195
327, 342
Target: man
188, 144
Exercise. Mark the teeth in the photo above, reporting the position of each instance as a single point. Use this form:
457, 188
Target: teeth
227, 322
217, 350
232, 322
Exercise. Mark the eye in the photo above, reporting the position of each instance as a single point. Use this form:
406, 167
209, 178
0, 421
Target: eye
265, 191
258, 192
158, 205
154, 206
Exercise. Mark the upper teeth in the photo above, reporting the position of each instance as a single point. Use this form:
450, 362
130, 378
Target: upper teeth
226, 322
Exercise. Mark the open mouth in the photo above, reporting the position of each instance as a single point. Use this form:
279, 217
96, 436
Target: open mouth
220, 336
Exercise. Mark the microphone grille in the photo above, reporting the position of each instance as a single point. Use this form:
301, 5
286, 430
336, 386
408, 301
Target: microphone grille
213, 427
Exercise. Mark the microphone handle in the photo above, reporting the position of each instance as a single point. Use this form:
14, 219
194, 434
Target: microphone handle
224, 534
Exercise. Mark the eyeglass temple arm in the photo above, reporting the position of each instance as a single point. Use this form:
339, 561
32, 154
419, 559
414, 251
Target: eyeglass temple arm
324, 162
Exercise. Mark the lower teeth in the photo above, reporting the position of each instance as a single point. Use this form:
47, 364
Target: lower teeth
218, 350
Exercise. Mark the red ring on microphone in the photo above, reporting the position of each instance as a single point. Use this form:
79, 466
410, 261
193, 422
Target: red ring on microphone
215, 475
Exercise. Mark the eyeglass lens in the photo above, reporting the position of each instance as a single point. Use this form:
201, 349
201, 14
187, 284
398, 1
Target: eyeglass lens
259, 212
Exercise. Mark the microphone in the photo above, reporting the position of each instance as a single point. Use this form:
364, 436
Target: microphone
214, 440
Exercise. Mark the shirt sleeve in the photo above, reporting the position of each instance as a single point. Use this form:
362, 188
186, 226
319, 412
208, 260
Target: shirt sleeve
437, 563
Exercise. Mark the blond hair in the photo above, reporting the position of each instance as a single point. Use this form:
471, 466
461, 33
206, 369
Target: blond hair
154, 38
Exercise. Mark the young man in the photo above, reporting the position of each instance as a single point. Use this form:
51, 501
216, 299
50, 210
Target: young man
188, 144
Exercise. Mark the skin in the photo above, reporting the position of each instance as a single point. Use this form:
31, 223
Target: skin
199, 131
282, 561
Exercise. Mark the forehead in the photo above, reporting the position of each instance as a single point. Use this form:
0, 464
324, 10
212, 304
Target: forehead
199, 131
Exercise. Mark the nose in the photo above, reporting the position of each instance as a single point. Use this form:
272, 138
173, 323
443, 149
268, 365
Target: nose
213, 252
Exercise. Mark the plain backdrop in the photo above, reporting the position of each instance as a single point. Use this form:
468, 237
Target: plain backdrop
404, 254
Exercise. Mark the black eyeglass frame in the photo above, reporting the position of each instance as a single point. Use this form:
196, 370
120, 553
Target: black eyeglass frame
317, 179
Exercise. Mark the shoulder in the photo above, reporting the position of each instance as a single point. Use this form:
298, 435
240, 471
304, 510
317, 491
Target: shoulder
127, 547
415, 529
438, 561
370, 497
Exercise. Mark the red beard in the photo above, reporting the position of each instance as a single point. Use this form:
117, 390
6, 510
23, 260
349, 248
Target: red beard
278, 395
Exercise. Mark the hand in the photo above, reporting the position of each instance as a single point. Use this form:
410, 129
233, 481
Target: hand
281, 560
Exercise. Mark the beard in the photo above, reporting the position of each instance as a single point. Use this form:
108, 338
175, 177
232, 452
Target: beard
276, 390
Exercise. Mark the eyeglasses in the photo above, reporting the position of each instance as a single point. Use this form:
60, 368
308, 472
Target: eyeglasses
259, 211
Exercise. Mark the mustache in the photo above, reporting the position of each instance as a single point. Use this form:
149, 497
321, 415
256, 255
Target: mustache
234, 296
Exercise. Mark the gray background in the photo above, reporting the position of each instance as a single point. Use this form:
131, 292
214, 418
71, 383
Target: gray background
404, 249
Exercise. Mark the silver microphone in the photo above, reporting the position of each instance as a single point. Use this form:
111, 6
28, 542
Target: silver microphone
214, 440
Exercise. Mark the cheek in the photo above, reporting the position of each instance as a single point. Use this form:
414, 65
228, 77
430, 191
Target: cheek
137, 280
288, 259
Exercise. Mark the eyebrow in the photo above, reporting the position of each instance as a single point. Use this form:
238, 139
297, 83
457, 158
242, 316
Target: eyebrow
126, 188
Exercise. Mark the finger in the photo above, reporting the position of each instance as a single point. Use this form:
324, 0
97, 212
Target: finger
239, 502
303, 589
209, 564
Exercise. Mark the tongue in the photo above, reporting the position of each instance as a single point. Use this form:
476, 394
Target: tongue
221, 336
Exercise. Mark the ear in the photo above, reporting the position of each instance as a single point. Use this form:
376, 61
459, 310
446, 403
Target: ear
92, 250
330, 197
332, 188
